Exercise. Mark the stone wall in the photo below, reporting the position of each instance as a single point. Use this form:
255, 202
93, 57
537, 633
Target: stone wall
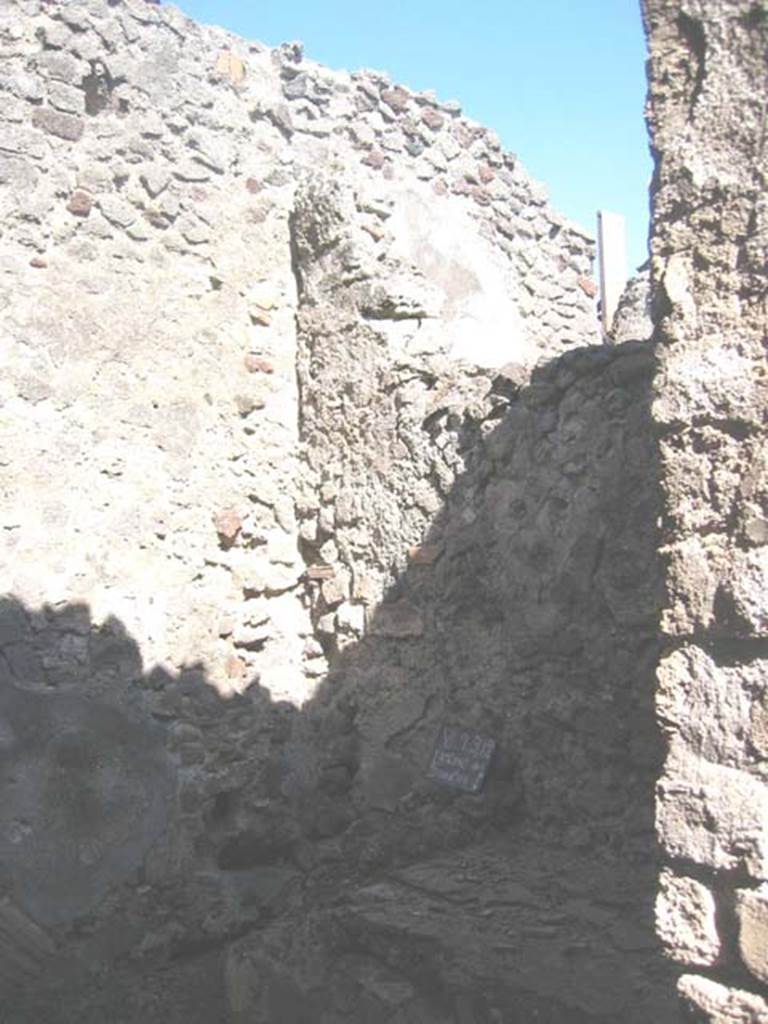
305, 865
633, 320
473, 557
707, 120
523, 603
148, 169
309, 451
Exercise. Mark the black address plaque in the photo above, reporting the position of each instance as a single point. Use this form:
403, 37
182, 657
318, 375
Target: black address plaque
461, 758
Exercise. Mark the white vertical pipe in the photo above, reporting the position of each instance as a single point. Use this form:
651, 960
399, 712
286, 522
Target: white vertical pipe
613, 263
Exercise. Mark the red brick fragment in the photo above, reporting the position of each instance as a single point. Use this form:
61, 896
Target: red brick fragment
80, 204
228, 525
255, 364
320, 572
485, 174
432, 119
376, 232
462, 187
588, 286
38, 262
463, 136
254, 185
374, 159
235, 667
397, 98
424, 554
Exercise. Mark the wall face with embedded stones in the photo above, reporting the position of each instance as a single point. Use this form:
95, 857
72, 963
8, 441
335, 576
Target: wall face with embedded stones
709, 246
147, 169
308, 451
305, 867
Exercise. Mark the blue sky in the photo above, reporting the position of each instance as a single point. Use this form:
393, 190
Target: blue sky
561, 82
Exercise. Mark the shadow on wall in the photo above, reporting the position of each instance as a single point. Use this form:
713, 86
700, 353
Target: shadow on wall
165, 854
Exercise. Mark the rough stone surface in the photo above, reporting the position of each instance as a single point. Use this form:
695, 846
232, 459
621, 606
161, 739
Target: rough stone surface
708, 1002
752, 913
633, 319
686, 920
709, 242
93, 792
320, 453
